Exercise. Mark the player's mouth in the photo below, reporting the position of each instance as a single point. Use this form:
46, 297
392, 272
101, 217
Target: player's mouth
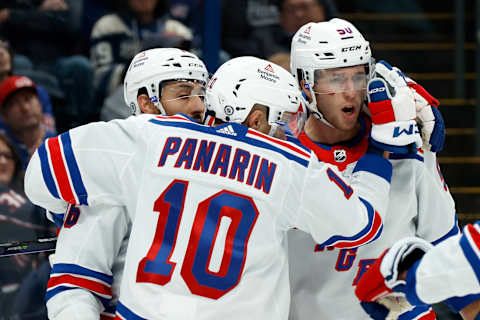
348, 111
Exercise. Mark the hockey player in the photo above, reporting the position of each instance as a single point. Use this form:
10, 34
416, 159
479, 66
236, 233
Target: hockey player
210, 206
331, 61
86, 274
452, 268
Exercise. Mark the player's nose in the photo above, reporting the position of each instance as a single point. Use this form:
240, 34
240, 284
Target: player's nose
197, 108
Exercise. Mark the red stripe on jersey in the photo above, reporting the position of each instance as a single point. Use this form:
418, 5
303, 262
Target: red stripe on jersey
280, 142
107, 316
475, 235
428, 316
173, 118
90, 285
377, 224
382, 111
60, 171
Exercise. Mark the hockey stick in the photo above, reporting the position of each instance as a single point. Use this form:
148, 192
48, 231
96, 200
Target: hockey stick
27, 247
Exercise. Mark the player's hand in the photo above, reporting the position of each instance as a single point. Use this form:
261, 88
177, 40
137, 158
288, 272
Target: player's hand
429, 118
392, 106
397, 308
382, 278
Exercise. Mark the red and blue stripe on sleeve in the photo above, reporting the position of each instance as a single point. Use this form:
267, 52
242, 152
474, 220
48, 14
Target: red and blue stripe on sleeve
368, 234
71, 276
60, 170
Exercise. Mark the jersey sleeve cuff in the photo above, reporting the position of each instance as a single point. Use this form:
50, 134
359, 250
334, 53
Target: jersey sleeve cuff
410, 288
375, 164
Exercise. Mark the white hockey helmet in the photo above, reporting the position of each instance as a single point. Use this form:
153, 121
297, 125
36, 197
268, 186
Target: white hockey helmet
325, 45
150, 68
242, 82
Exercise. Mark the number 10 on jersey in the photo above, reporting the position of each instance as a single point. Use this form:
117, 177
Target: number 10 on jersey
156, 267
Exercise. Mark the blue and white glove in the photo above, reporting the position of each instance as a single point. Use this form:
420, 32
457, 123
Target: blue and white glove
383, 311
428, 116
392, 107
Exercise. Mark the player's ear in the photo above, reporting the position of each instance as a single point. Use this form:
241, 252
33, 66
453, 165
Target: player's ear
257, 120
305, 89
146, 106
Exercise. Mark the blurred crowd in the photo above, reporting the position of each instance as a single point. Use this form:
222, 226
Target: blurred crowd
62, 64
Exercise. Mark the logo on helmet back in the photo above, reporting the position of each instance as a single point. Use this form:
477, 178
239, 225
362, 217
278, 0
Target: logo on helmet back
269, 68
307, 31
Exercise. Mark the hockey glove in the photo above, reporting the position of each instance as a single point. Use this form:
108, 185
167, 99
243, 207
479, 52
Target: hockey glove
381, 279
390, 308
392, 106
429, 118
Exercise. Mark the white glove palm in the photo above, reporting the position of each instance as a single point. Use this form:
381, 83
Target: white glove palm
428, 116
393, 109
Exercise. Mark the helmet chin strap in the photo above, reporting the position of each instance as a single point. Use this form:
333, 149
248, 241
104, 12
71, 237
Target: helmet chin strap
160, 108
314, 109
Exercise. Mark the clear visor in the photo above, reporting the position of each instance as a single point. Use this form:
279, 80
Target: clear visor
339, 80
183, 90
290, 124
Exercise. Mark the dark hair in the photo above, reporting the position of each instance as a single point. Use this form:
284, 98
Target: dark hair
18, 171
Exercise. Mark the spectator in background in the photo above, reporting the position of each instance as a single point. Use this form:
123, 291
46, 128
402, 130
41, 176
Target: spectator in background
264, 28
46, 32
247, 26
6, 70
21, 112
293, 15
19, 220
136, 25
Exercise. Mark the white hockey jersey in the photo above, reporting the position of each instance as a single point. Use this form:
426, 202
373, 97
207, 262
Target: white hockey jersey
88, 272
323, 278
210, 208
452, 268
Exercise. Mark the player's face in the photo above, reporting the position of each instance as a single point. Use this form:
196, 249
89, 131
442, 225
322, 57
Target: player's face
340, 93
185, 97
22, 110
7, 163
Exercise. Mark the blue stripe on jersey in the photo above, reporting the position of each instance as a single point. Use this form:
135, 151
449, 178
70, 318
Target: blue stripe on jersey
57, 218
401, 156
297, 142
73, 168
454, 231
47, 174
242, 138
375, 164
470, 254
410, 292
458, 303
76, 269
59, 289
127, 313
366, 230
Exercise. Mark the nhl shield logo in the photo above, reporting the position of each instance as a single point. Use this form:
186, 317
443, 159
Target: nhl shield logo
340, 155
